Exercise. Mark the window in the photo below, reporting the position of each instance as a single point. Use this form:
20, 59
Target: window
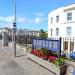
51, 20
69, 16
68, 31
51, 32
57, 31
57, 19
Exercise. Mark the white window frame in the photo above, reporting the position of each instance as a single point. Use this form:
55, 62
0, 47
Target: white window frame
51, 32
51, 20
69, 16
57, 31
57, 18
68, 31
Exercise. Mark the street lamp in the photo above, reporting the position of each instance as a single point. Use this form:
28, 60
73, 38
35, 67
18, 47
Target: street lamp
14, 29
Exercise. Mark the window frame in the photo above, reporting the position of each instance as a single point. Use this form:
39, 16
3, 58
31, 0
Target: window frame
57, 18
51, 20
69, 16
69, 31
57, 31
51, 33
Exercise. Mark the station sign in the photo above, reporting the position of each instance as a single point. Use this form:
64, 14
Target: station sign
46, 43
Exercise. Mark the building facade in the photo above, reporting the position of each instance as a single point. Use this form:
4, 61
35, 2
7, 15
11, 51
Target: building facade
27, 32
61, 23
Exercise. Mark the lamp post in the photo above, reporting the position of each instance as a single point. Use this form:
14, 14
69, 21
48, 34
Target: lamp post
14, 29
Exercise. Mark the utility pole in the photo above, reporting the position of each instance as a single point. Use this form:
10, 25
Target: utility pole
14, 29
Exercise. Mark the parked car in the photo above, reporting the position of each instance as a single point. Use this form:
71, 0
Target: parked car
72, 55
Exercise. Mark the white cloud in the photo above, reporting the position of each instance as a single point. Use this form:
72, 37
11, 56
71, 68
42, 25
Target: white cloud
1, 18
6, 19
9, 19
39, 14
38, 20
40, 17
22, 20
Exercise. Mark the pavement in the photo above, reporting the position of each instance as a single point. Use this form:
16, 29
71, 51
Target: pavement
20, 65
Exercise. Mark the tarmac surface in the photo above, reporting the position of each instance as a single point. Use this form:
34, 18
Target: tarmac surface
20, 65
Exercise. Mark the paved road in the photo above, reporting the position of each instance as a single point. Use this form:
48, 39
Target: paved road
20, 65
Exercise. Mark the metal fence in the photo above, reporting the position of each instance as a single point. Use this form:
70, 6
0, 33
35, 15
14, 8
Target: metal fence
24, 40
67, 43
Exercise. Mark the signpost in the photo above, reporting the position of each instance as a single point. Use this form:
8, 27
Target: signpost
14, 29
14, 39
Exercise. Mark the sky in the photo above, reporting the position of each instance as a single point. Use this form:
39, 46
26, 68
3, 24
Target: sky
30, 14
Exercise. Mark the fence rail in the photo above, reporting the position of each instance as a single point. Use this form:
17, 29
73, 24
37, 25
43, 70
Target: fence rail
24, 40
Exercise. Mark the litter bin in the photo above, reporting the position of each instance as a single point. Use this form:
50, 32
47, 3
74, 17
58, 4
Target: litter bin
4, 38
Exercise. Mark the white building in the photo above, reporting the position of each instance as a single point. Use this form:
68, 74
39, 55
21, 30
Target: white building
61, 23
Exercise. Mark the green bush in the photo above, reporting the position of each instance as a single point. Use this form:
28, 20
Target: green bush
60, 61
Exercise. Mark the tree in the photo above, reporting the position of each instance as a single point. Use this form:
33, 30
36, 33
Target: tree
42, 31
43, 34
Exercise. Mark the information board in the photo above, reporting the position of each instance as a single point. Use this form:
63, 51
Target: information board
46, 43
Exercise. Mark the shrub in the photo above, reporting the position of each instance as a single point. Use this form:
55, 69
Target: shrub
60, 61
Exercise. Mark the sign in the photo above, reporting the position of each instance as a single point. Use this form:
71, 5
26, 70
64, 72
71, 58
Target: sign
14, 30
14, 27
46, 43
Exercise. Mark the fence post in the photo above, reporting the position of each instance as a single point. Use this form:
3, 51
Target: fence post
20, 40
59, 51
68, 48
60, 47
26, 40
62, 44
74, 44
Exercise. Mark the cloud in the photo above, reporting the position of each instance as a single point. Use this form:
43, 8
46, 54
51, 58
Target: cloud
1, 18
27, 20
39, 14
9, 19
22, 20
6, 19
38, 20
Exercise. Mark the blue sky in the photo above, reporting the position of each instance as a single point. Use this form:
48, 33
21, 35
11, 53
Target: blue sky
31, 14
